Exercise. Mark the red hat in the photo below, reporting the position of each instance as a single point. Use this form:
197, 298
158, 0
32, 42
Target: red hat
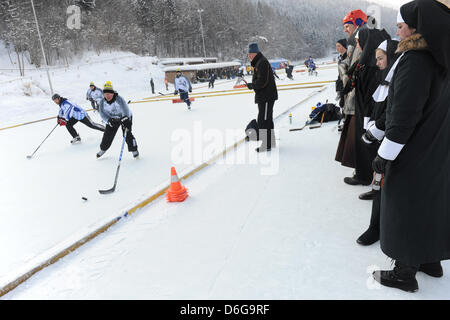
355, 17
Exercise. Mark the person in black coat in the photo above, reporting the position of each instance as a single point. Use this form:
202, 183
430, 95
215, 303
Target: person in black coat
341, 47
263, 83
415, 153
386, 57
366, 82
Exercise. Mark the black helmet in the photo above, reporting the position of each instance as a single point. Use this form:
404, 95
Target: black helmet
56, 96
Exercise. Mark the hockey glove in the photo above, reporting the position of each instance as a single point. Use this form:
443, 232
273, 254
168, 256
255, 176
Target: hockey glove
379, 164
250, 86
190, 90
61, 121
368, 138
175, 93
112, 122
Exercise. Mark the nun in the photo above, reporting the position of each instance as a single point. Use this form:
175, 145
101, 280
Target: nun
386, 56
415, 152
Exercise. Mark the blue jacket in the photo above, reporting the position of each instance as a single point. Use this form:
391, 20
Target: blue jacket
69, 110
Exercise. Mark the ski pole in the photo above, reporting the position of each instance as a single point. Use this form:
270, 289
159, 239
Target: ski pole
30, 156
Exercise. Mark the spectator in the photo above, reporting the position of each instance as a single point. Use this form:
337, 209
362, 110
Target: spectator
415, 154
345, 154
263, 83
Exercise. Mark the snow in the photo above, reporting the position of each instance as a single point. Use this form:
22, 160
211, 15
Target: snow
277, 226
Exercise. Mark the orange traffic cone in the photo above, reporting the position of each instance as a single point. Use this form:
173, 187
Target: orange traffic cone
177, 192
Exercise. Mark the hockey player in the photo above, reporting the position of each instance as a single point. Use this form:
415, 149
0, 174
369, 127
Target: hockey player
115, 113
183, 86
94, 95
70, 113
212, 79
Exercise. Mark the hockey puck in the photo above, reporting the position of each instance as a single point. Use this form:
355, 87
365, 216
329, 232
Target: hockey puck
84, 198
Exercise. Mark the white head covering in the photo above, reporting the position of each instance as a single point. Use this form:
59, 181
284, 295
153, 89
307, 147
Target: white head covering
400, 18
383, 46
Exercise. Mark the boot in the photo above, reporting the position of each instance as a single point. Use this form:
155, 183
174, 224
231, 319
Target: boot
100, 153
403, 277
273, 141
75, 140
368, 195
353, 181
266, 144
432, 269
135, 154
369, 237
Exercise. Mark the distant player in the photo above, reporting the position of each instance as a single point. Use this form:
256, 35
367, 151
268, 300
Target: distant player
94, 95
183, 86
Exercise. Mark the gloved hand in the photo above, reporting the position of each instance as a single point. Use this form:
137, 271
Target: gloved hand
379, 164
125, 121
368, 137
175, 93
61, 121
250, 86
113, 121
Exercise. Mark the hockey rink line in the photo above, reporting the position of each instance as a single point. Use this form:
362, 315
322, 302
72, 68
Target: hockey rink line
160, 191
227, 94
194, 95
236, 90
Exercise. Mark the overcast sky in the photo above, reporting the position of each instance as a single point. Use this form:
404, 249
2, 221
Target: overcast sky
391, 3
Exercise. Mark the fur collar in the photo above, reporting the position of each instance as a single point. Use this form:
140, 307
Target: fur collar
445, 3
413, 42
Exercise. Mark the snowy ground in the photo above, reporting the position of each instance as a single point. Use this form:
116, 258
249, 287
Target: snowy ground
242, 233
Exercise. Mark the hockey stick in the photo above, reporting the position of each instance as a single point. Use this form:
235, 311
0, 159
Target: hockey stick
321, 121
118, 167
306, 124
30, 156
168, 94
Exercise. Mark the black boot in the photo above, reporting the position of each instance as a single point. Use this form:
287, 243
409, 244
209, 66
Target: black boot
403, 277
354, 181
369, 237
368, 195
432, 269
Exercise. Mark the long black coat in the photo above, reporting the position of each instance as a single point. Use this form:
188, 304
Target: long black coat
367, 80
263, 80
415, 211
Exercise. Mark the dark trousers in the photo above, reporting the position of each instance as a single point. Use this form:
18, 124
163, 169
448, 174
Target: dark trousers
86, 121
110, 133
265, 123
364, 154
375, 217
211, 84
94, 104
185, 97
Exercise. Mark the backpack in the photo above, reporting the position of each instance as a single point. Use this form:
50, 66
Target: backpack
329, 111
252, 131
